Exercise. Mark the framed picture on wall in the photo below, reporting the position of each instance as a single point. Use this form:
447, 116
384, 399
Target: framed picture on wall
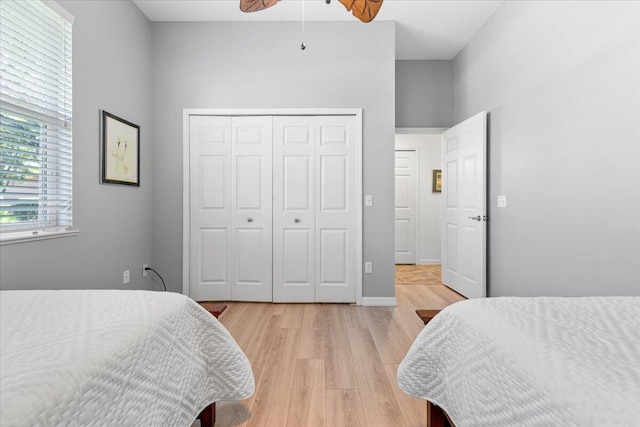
436, 181
120, 151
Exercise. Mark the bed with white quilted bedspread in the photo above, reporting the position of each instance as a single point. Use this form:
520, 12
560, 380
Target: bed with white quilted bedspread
530, 361
113, 358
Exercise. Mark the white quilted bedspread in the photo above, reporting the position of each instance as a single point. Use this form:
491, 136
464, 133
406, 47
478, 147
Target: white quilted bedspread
113, 358
530, 362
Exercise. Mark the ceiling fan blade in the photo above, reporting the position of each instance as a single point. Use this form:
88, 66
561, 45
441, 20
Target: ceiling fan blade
364, 10
256, 5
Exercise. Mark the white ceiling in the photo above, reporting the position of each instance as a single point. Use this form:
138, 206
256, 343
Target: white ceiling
425, 29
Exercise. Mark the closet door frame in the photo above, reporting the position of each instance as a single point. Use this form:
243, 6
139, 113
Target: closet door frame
186, 170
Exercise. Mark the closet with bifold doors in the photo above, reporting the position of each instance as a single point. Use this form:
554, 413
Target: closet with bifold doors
273, 209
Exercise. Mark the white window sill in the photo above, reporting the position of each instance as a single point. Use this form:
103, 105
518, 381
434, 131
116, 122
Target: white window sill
31, 236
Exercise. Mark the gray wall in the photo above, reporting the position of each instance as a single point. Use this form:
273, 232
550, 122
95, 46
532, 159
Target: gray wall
424, 93
260, 65
111, 68
561, 83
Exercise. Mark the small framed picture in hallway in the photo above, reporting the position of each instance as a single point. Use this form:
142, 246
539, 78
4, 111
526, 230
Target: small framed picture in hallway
436, 181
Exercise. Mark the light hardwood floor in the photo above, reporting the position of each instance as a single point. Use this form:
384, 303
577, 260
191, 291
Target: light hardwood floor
330, 365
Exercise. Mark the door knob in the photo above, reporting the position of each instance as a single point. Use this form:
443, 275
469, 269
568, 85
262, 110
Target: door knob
249, 219
476, 218
296, 220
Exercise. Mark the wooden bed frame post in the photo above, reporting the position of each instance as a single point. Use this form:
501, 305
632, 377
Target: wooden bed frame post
435, 416
208, 416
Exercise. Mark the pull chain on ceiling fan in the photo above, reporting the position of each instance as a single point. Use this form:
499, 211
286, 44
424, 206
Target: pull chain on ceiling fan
302, 45
364, 10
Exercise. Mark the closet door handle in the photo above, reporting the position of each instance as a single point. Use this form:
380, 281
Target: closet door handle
296, 220
249, 219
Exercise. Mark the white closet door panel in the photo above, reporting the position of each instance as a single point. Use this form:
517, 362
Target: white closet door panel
251, 188
298, 257
334, 257
214, 241
297, 183
249, 181
335, 213
213, 182
249, 268
210, 208
293, 209
334, 183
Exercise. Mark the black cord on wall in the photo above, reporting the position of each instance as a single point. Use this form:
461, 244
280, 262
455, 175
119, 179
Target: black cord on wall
158, 274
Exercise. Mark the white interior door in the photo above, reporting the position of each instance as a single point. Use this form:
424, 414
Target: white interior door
464, 183
336, 201
251, 189
293, 209
406, 206
210, 208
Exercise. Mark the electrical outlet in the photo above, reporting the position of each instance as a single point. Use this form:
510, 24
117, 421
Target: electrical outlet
368, 200
145, 273
125, 277
368, 267
502, 201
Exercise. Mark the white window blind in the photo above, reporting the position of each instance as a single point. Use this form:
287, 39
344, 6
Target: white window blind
35, 116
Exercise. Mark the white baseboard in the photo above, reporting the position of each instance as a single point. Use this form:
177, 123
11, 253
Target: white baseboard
379, 301
429, 262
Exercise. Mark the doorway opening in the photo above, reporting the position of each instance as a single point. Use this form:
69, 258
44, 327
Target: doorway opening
450, 228
418, 203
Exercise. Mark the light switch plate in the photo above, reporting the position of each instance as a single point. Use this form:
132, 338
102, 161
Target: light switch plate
502, 201
368, 267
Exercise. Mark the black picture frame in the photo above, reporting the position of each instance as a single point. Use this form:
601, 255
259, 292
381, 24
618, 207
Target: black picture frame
120, 151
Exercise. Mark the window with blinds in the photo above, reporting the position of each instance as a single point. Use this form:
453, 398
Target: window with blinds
35, 116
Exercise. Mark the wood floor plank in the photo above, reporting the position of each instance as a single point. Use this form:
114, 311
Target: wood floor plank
307, 404
312, 333
448, 295
244, 329
418, 275
426, 298
272, 396
391, 341
340, 373
265, 332
278, 309
414, 411
355, 319
344, 409
257, 350
292, 316
379, 403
